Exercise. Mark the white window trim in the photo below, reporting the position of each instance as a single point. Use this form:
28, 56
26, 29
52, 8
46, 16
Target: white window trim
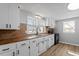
69, 31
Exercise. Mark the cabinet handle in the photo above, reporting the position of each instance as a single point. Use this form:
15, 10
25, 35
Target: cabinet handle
36, 45
33, 41
13, 53
5, 49
18, 51
23, 44
9, 25
6, 25
29, 47
42, 41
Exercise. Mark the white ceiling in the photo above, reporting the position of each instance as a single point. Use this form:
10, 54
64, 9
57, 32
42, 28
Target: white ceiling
56, 10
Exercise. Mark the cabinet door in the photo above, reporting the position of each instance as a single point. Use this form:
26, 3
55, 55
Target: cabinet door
14, 16
47, 43
24, 51
23, 48
52, 38
33, 47
51, 42
4, 15
10, 53
41, 47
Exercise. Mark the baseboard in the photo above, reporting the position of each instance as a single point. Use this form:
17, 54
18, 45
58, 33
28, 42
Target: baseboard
68, 43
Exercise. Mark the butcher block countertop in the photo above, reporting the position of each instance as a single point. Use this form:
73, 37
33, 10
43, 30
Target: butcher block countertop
19, 37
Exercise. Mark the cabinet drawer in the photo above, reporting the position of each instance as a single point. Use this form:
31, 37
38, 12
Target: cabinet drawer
34, 40
7, 47
23, 44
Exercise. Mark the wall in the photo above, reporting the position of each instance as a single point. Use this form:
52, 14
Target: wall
71, 38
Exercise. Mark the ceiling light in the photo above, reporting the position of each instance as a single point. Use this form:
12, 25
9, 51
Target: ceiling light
73, 6
38, 16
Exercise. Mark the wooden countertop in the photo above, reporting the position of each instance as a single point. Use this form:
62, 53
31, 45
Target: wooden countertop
21, 38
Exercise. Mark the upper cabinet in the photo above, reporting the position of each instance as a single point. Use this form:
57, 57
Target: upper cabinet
9, 16
50, 22
4, 14
14, 16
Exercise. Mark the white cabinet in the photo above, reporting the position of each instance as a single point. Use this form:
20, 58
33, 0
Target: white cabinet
4, 15
47, 42
7, 50
34, 47
14, 16
9, 16
51, 40
23, 48
10, 53
50, 22
41, 46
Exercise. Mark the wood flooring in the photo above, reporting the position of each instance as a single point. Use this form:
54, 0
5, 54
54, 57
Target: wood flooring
61, 50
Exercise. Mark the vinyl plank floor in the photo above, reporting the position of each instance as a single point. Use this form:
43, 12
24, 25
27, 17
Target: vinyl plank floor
60, 50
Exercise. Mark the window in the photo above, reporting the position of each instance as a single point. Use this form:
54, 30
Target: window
69, 26
31, 28
34, 25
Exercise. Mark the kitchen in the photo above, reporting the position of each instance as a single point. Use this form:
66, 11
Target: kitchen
27, 32
22, 34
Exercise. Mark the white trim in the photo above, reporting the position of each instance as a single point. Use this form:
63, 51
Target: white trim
69, 43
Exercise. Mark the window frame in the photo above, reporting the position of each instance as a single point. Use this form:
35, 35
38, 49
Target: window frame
73, 29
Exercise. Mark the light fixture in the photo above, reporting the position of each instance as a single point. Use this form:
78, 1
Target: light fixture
38, 16
73, 6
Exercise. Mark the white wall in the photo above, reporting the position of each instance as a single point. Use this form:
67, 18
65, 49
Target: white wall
71, 38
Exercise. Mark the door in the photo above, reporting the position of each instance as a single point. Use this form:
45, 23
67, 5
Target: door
22, 48
33, 47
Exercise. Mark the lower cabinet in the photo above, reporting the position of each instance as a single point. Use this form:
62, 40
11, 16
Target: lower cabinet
23, 48
34, 47
10, 53
51, 40
8, 50
41, 46
47, 43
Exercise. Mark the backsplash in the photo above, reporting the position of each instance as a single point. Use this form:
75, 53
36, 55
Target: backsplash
11, 34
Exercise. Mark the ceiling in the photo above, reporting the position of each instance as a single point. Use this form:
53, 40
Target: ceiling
56, 10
